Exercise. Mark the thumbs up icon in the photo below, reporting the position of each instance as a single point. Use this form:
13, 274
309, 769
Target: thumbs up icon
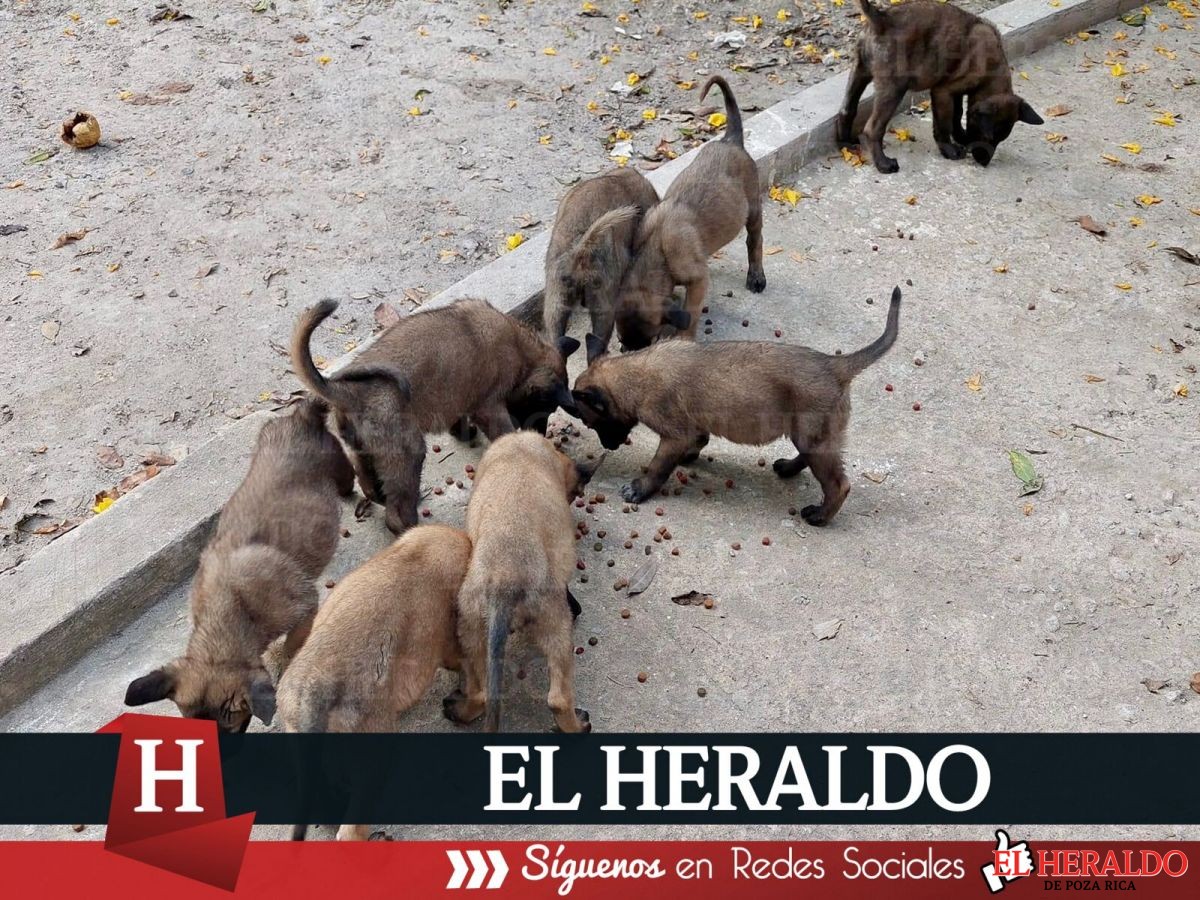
1010, 861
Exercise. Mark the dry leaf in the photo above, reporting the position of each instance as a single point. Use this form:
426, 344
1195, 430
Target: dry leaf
975, 382
1195, 682
691, 598
138, 478
643, 576
109, 457
50, 330
1060, 109
158, 458
1184, 254
876, 477
827, 630
69, 237
1087, 223
1180, 390
1154, 685
1093, 379
771, 251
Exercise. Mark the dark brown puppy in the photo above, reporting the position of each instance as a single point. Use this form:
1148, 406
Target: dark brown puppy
426, 374
591, 246
523, 534
378, 641
703, 210
924, 45
255, 579
749, 392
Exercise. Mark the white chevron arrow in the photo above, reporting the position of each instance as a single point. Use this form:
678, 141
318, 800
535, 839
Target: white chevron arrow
476, 865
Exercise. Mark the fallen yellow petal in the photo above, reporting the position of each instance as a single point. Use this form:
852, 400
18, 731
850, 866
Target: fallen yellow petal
1145, 200
1117, 70
1124, 286
716, 120
852, 157
649, 114
1181, 389
783, 15
604, 60
416, 111
545, 140
112, 22
699, 15
1136, 221
903, 134
1133, 148
1054, 137
324, 60
102, 505
550, 51
756, 22
685, 85
621, 160
911, 201
975, 382
632, 78
513, 241
1001, 269
694, 55
622, 135
1165, 118
592, 105
35, 273
1163, 51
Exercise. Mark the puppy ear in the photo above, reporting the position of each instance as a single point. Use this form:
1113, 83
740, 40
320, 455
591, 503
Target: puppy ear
585, 471
158, 685
596, 347
1028, 115
567, 346
262, 698
679, 318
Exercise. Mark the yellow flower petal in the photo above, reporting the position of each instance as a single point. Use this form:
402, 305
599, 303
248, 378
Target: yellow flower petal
1136, 221
1180, 390
324, 60
112, 22
604, 60
1144, 200
550, 51
1133, 148
783, 15
545, 140
716, 120
513, 241
852, 157
975, 382
632, 78
592, 106
912, 200
903, 134
685, 85
1000, 269
1165, 118
415, 111
649, 114
102, 505
1123, 285
1118, 70
699, 15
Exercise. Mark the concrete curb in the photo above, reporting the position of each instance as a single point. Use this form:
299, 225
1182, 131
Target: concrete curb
97, 578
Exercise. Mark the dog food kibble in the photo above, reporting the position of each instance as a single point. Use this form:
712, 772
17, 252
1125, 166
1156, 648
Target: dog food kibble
888, 388
625, 614
621, 584
331, 584
579, 504
459, 485
728, 484
77, 828
916, 407
437, 448
611, 563
599, 498
674, 551
706, 491
628, 545
469, 469
426, 513
580, 565
593, 641
583, 579
745, 323
736, 545
625, 508
708, 330
701, 692
579, 651
658, 539
649, 549
1032, 306
449, 479
761, 462
597, 546
438, 491
791, 510
778, 332
766, 542
681, 477
642, 676
658, 511
601, 533
708, 602
704, 309
919, 359
667, 535
589, 509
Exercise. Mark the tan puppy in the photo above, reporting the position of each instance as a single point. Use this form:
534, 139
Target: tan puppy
927, 46
425, 374
520, 523
749, 392
702, 211
255, 579
378, 641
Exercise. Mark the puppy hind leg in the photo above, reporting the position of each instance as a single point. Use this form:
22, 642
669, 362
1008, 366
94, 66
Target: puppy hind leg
790, 468
826, 465
467, 702
887, 101
670, 452
756, 278
552, 633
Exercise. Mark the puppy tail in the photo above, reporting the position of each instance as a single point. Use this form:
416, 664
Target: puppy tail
501, 609
852, 363
302, 360
531, 311
733, 115
876, 17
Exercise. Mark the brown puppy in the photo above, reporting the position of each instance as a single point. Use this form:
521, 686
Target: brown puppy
591, 246
255, 579
425, 374
378, 641
923, 45
749, 392
702, 211
520, 523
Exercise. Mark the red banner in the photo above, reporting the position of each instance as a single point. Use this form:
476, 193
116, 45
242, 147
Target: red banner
837, 870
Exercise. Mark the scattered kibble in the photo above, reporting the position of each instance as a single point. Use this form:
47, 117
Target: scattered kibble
642, 676
745, 323
674, 551
426, 513
628, 545
331, 584
762, 462
916, 407
736, 545
593, 641
611, 563
766, 542
597, 546
580, 565
888, 388
625, 613
520, 674
579, 651
437, 448
701, 692
729, 484
778, 332
659, 511
708, 602
601, 533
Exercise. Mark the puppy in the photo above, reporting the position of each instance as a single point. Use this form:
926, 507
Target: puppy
255, 579
702, 211
427, 373
923, 45
520, 524
378, 641
591, 246
749, 392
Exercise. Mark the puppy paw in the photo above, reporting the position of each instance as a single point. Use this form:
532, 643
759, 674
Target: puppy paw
585, 720
788, 468
887, 165
813, 515
456, 708
951, 151
756, 282
634, 492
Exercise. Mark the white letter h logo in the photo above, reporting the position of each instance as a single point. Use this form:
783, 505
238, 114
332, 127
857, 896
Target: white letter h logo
186, 775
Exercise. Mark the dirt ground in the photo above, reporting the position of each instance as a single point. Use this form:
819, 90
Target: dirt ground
253, 162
